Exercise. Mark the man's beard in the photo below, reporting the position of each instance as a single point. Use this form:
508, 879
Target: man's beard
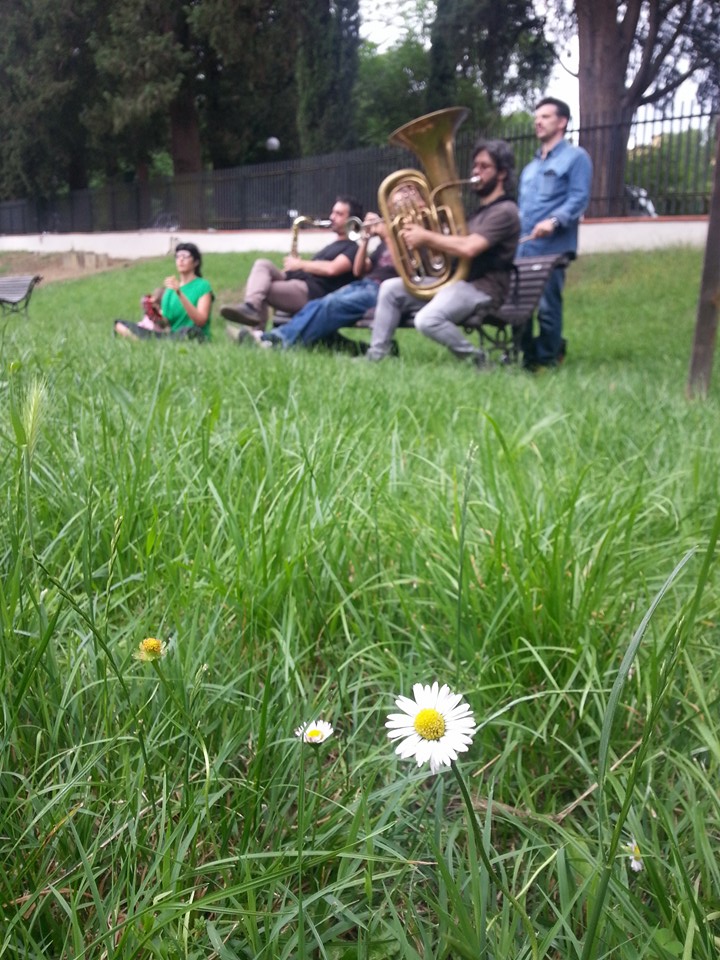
485, 188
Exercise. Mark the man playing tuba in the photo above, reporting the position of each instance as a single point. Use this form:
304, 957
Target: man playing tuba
489, 245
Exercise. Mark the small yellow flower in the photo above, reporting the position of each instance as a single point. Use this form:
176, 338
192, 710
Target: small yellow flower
150, 649
317, 731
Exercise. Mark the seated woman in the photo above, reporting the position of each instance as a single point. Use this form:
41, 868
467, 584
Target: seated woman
186, 302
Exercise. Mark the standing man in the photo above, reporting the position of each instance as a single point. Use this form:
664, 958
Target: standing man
554, 192
300, 280
493, 233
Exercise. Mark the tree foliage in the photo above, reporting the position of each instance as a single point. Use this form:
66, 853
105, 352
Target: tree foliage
678, 166
480, 55
502, 48
327, 65
391, 88
249, 91
46, 71
91, 91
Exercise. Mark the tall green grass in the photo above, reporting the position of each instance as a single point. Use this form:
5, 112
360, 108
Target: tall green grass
313, 535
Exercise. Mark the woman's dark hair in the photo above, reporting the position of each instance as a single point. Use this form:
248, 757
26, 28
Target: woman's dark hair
194, 253
503, 157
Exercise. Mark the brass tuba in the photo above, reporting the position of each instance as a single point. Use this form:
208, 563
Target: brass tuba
432, 200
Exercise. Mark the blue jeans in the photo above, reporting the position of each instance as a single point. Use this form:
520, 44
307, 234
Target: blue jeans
321, 318
545, 348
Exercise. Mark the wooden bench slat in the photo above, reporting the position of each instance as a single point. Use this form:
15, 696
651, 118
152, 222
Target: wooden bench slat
15, 292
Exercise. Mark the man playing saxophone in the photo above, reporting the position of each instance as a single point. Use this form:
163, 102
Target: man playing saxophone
300, 280
489, 245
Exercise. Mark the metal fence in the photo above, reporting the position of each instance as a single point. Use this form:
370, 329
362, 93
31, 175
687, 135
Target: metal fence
668, 172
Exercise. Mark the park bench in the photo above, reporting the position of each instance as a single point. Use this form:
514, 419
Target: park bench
501, 331
15, 293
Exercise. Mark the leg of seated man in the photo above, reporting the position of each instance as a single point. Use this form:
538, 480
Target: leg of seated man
288, 295
321, 318
266, 285
341, 309
290, 332
442, 318
261, 277
394, 302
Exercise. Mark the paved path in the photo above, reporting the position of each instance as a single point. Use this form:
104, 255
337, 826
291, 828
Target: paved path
596, 236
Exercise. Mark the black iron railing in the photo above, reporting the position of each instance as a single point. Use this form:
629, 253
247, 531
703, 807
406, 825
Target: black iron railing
667, 172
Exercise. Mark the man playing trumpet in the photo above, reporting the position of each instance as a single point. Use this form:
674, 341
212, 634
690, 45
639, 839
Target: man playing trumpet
493, 234
321, 319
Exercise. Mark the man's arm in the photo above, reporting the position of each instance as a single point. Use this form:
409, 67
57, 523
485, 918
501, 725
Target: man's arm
320, 268
470, 246
578, 193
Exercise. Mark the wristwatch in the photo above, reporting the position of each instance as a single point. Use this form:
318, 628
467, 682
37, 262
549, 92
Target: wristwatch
555, 222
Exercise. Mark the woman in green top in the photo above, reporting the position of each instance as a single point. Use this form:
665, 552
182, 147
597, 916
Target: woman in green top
186, 303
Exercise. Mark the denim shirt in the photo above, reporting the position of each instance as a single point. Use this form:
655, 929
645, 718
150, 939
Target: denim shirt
555, 186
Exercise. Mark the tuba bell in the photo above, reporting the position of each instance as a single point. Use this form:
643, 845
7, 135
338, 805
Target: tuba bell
432, 200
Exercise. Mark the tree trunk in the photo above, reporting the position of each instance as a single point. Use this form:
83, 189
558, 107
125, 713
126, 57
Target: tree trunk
605, 110
185, 146
707, 314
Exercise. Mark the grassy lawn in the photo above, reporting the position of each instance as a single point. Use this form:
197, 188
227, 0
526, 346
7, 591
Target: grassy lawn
310, 536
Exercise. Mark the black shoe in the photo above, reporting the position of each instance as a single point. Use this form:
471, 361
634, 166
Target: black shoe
562, 351
244, 313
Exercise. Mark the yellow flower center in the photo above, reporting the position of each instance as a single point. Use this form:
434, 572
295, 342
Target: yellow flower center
430, 724
152, 646
313, 733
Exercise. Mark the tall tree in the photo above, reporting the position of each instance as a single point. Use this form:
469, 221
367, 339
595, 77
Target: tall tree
249, 88
391, 88
636, 52
149, 63
500, 48
47, 77
327, 66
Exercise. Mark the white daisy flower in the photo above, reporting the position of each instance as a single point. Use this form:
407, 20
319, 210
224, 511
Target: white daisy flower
435, 726
636, 861
317, 731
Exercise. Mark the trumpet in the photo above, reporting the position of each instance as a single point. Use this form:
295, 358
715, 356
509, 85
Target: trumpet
362, 229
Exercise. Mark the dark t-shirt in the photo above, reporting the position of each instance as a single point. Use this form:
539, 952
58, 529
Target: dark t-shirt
499, 223
319, 286
383, 267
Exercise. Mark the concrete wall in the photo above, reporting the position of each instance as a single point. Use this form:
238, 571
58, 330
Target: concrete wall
596, 236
